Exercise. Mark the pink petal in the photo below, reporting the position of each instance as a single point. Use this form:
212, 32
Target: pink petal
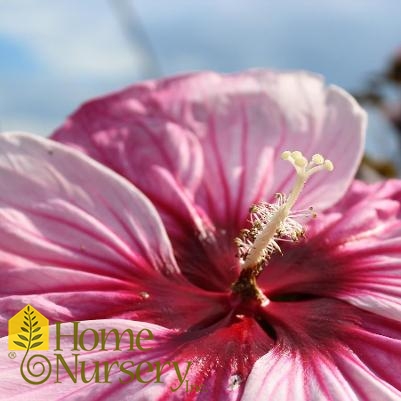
351, 252
161, 157
242, 123
377, 343
86, 244
174, 304
373, 281
224, 355
278, 378
327, 350
364, 383
287, 377
70, 226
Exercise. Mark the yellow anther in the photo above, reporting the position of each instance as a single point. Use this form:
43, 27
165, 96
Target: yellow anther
301, 161
318, 159
328, 165
296, 154
286, 155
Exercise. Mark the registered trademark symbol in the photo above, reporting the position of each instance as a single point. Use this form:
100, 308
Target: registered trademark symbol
12, 355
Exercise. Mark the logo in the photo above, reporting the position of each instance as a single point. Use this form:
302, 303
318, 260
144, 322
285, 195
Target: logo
71, 357
28, 329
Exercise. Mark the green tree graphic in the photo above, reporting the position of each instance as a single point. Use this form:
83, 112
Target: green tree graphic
29, 339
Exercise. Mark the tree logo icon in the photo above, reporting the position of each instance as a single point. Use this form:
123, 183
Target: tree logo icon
28, 329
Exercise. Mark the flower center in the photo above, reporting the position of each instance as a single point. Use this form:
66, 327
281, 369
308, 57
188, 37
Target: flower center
272, 223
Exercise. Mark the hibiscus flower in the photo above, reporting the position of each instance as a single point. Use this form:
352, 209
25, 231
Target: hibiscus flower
151, 245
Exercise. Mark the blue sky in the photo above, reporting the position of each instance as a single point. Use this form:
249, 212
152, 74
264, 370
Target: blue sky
56, 54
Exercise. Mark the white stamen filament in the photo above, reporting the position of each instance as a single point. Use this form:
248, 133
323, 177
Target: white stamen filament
275, 221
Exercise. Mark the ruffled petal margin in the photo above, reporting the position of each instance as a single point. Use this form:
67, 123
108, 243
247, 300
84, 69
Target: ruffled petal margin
220, 137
